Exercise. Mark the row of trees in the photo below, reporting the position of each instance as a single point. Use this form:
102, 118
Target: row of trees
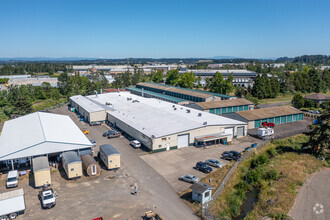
31, 68
265, 87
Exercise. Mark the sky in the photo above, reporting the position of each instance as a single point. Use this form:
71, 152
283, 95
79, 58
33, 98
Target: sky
164, 28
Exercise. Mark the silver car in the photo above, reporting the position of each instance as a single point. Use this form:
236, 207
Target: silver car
189, 178
214, 163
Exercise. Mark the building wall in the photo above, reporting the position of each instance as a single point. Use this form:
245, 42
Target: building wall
73, 170
89, 117
231, 109
113, 161
42, 177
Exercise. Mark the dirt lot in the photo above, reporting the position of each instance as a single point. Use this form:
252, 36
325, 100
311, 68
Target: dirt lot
313, 201
173, 164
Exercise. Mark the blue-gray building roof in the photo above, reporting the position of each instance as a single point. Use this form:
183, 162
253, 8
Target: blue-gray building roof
71, 157
40, 163
108, 149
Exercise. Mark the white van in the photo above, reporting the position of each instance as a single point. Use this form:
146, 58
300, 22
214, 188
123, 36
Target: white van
12, 179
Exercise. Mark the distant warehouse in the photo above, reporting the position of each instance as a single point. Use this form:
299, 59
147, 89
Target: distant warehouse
223, 106
183, 93
161, 126
277, 115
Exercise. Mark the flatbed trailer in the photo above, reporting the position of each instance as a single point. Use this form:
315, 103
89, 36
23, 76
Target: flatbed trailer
12, 204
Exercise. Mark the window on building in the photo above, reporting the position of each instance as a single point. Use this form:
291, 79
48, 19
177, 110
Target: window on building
110, 161
207, 194
164, 139
160, 146
72, 169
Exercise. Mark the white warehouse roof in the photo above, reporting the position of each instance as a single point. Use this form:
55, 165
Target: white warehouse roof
40, 133
156, 118
86, 104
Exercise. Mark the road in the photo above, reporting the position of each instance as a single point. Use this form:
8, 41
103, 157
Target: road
313, 200
162, 196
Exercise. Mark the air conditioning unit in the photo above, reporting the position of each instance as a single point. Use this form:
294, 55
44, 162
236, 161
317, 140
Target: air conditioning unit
174, 109
205, 123
199, 114
188, 110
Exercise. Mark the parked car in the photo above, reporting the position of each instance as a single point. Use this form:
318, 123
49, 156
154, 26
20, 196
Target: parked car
214, 163
47, 198
106, 133
189, 178
227, 156
268, 124
93, 141
201, 166
12, 179
315, 112
235, 153
113, 134
135, 143
95, 123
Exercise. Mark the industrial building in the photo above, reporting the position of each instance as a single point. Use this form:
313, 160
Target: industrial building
39, 134
150, 94
162, 126
317, 98
183, 93
92, 112
276, 115
223, 106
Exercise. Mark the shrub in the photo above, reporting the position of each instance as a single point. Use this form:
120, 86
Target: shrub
254, 176
242, 185
271, 174
271, 152
234, 204
259, 160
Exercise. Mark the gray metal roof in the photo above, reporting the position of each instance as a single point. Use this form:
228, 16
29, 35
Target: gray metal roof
86, 104
200, 187
40, 163
38, 134
108, 149
71, 157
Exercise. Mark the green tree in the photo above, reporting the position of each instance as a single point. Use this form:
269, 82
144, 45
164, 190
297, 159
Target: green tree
216, 83
239, 91
298, 100
158, 77
187, 80
22, 106
64, 84
173, 77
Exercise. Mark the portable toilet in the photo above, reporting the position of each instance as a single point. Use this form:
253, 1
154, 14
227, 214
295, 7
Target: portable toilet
110, 156
41, 171
72, 164
91, 167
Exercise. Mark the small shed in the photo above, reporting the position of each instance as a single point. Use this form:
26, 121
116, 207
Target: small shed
90, 165
41, 171
201, 192
72, 164
110, 156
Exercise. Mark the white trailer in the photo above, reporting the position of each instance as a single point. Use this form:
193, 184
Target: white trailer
265, 132
12, 204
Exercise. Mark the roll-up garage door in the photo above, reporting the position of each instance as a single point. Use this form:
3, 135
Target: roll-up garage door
229, 131
240, 131
183, 140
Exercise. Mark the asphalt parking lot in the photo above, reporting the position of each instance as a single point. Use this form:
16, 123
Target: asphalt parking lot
173, 164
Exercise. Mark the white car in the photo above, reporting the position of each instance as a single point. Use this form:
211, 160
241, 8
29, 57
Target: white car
12, 179
136, 143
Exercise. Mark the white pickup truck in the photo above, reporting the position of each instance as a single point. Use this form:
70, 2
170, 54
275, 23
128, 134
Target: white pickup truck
47, 198
12, 204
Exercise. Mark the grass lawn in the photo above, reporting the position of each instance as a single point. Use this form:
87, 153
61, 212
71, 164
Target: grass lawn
49, 103
291, 165
284, 98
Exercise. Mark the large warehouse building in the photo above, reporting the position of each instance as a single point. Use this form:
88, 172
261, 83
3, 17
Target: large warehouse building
183, 93
161, 125
276, 115
39, 134
223, 106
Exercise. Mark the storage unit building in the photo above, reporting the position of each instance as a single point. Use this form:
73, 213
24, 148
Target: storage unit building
276, 115
110, 156
72, 164
41, 171
184, 93
91, 167
177, 126
91, 111
223, 106
39, 134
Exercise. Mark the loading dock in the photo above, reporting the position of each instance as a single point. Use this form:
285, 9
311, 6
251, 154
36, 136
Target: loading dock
183, 140
41, 171
212, 139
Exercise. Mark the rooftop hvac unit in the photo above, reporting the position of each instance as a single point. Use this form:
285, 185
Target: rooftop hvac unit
205, 123
188, 110
174, 109
199, 114
173, 106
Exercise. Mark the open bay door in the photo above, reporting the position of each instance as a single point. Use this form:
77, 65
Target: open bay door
229, 131
183, 140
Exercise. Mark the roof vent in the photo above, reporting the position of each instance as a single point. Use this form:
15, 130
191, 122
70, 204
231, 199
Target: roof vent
173, 106
188, 110
174, 109
199, 114
205, 123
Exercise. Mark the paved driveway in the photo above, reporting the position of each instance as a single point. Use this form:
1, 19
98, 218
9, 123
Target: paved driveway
175, 163
313, 200
156, 191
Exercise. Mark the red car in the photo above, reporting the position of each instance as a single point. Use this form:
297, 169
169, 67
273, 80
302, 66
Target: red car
268, 124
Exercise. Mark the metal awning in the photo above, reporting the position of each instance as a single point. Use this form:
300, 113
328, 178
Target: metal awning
212, 137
